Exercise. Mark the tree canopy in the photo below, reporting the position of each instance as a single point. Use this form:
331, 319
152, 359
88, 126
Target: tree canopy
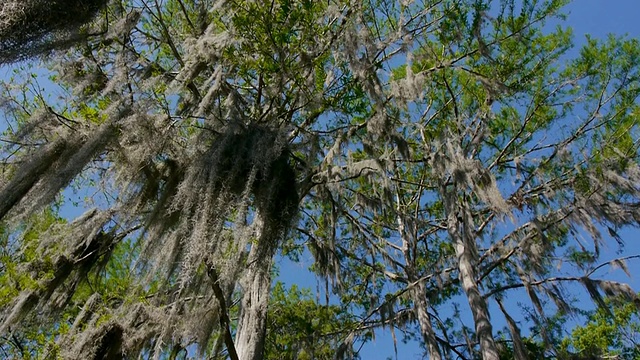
435, 158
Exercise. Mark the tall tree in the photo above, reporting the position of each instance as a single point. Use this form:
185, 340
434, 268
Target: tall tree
424, 152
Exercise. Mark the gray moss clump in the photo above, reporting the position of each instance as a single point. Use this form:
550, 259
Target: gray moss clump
248, 160
35, 27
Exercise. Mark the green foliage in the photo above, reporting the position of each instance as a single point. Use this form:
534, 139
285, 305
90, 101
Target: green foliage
608, 333
300, 328
21, 267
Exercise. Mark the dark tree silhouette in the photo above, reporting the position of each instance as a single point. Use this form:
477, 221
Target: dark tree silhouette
35, 27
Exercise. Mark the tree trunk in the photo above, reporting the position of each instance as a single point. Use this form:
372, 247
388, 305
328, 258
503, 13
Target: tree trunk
419, 291
418, 295
461, 230
252, 324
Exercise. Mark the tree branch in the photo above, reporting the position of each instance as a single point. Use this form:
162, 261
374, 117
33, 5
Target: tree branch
224, 315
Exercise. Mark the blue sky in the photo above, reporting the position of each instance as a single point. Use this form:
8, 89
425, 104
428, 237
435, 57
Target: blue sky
596, 18
601, 17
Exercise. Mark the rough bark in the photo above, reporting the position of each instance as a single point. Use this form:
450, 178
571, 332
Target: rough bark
461, 232
424, 320
252, 324
419, 291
